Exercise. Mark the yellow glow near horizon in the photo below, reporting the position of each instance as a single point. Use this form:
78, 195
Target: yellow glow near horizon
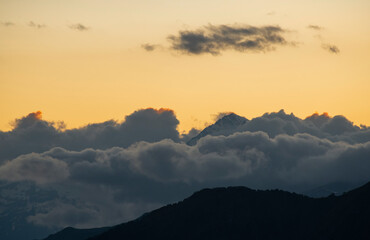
103, 73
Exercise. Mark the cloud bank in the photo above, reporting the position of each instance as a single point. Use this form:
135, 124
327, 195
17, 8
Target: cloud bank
111, 172
32, 134
335, 129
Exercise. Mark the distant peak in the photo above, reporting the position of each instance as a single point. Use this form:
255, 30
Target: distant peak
221, 126
231, 119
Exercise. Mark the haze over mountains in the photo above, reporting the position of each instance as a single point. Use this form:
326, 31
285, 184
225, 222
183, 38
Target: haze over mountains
107, 173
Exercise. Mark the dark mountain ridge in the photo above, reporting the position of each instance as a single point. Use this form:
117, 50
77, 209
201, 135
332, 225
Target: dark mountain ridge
243, 213
71, 233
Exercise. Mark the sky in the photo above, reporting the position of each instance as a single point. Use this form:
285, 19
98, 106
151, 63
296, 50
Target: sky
110, 109
87, 61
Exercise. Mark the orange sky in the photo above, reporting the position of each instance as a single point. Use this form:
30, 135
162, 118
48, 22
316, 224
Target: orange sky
103, 72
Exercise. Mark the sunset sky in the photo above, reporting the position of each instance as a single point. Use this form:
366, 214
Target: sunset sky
99, 100
84, 61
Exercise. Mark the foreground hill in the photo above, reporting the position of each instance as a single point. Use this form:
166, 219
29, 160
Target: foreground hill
242, 213
70, 233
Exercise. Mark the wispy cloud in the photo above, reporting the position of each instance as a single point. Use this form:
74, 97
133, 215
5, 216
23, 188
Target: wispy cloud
331, 48
315, 27
36, 25
214, 39
149, 47
79, 27
8, 24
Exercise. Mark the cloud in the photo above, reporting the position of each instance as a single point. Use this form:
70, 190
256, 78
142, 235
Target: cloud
108, 173
335, 129
79, 27
331, 48
152, 174
33, 167
149, 47
60, 214
187, 136
32, 134
63, 215
36, 25
315, 27
214, 39
8, 24
29, 120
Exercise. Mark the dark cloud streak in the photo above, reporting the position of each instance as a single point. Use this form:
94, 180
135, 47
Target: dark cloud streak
79, 27
36, 25
214, 39
8, 24
149, 47
331, 48
315, 27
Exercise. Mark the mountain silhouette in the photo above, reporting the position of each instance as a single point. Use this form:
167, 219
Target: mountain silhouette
224, 126
70, 233
243, 213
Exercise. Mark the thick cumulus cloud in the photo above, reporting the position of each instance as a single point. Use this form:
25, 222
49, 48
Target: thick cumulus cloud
101, 183
214, 39
32, 134
42, 170
99, 186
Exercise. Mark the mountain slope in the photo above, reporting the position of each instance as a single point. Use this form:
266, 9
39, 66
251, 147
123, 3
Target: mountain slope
336, 188
76, 234
242, 213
